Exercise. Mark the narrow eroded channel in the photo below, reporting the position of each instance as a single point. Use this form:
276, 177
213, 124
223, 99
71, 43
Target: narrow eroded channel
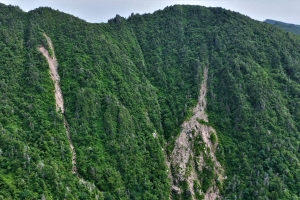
52, 61
195, 151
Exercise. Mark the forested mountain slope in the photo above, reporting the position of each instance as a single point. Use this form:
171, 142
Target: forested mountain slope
185, 103
293, 28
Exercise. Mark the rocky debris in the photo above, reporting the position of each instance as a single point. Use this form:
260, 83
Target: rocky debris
183, 156
175, 189
53, 65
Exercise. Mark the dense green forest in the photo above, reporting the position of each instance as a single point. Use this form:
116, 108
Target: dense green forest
293, 28
128, 86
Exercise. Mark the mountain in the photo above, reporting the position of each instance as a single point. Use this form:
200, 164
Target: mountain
185, 103
293, 28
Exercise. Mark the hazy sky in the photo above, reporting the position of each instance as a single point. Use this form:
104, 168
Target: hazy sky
102, 10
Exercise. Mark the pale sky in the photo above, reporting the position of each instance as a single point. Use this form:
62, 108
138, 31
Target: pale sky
101, 10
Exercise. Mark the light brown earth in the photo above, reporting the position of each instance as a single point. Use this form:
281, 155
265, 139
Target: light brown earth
183, 155
53, 65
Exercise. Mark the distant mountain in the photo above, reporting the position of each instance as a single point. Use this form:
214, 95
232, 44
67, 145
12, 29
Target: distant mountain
293, 28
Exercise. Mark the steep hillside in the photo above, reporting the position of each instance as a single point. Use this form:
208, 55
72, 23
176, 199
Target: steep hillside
185, 103
293, 28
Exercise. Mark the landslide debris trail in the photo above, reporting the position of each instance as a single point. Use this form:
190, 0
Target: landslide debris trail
52, 61
186, 163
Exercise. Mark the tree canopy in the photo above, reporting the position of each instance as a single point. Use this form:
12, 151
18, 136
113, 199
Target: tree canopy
128, 86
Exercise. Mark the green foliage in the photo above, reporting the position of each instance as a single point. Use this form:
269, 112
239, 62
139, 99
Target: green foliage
213, 137
128, 85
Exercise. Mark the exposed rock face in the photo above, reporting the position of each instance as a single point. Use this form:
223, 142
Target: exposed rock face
53, 65
54, 74
52, 61
187, 162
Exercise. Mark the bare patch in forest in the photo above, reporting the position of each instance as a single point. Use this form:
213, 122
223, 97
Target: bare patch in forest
53, 65
183, 157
